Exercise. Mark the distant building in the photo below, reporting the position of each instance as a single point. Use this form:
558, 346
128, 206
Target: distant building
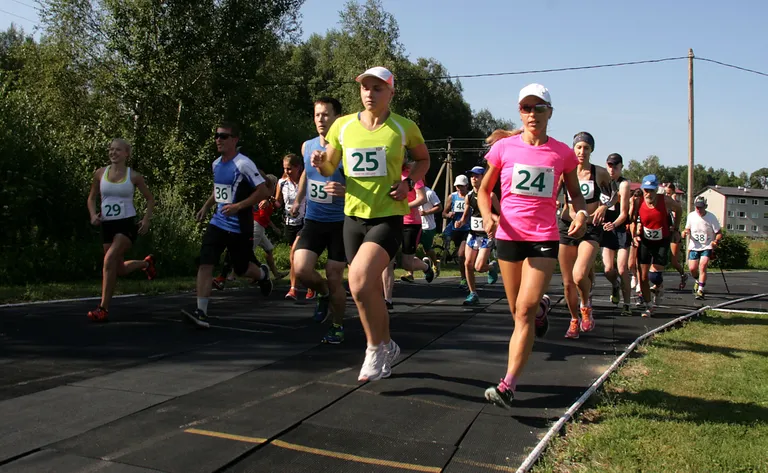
740, 210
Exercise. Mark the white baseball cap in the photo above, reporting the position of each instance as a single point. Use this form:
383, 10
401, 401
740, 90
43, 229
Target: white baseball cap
380, 73
461, 180
536, 90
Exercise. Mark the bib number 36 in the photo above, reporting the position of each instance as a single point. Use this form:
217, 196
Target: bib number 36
222, 193
535, 181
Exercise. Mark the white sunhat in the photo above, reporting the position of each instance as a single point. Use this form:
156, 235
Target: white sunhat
380, 73
536, 90
461, 180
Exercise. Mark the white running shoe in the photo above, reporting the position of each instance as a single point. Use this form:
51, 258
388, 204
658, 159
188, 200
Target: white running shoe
373, 364
392, 351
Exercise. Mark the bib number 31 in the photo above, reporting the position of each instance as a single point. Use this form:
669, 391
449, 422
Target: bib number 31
535, 181
366, 162
476, 224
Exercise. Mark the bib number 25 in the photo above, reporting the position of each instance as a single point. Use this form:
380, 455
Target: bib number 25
367, 162
536, 181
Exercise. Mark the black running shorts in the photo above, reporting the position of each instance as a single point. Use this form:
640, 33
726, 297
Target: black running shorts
125, 226
516, 251
411, 237
593, 233
653, 253
616, 240
320, 236
387, 232
238, 245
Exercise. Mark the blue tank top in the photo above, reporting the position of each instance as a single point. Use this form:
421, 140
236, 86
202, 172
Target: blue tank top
457, 206
321, 207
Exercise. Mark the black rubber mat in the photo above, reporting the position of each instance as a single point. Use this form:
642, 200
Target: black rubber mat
329, 449
52, 461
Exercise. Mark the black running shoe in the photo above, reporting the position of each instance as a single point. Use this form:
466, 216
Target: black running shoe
266, 283
500, 395
197, 317
321, 309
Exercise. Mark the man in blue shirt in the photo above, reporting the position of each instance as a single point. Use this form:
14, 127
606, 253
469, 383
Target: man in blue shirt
237, 187
323, 226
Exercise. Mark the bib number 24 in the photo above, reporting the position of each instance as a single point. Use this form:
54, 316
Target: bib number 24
537, 181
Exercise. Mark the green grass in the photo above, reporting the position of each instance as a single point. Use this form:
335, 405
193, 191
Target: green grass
696, 402
134, 284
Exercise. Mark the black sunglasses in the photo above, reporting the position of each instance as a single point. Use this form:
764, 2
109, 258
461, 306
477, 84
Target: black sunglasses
223, 136
538, 108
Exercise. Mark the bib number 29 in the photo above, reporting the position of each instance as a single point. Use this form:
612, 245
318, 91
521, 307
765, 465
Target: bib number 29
536, 181
112, 211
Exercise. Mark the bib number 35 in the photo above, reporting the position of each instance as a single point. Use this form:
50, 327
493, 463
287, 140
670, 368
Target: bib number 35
535, 181
317, 192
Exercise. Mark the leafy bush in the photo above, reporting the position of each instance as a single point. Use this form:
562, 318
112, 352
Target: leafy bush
732, 253
758, 255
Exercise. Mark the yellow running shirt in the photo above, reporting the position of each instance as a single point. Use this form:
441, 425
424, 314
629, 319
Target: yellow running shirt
373, 161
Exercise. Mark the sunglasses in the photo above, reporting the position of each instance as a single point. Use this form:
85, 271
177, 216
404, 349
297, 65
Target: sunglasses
221, 136
538, 108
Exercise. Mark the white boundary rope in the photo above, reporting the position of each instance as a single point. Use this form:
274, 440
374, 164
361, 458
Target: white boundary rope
57, 301
544, 442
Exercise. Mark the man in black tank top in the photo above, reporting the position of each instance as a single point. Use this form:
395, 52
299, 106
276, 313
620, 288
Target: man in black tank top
616, 239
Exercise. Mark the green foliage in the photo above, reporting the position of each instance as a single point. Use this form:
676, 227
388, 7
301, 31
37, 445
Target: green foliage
758, 255
732, 252
702, 177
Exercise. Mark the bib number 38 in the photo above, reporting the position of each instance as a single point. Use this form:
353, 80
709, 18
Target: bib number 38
535, 181
366, 162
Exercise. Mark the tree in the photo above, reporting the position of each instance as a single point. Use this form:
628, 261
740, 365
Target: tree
759, 179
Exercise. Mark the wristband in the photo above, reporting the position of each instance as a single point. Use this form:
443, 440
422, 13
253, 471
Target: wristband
583, 212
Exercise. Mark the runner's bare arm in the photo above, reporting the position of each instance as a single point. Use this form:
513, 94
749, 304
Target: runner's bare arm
92, 208
138, 181
421, 197
301, 192
420, 155
674, 206
463, 220
624, 192
578, 204
326, 161
490, 221
495, 203
260, 193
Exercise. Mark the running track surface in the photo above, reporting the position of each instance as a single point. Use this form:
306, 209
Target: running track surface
260, 393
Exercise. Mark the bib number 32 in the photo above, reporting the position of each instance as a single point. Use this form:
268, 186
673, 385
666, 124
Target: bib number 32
535, 181
652, 234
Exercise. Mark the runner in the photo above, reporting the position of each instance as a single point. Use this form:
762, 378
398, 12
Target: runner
116, 184
323, 226
634, 221
675, 239
373, 144
262, 217
530, 166
616, 241
427, 210
479, 243
287, 190
653, 236
706, 233
237, 187
577, 255
455, 233
412, 228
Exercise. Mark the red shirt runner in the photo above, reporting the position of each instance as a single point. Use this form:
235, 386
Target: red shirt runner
655, 221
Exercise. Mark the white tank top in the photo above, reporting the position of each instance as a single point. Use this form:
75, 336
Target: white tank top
117, 197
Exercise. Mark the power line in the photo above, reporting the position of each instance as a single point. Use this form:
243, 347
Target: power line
731, 65
18, 16
25, 4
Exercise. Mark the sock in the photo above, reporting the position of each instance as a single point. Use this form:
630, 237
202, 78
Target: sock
581, 304
263, 275
701, 284
510, 381
202, 304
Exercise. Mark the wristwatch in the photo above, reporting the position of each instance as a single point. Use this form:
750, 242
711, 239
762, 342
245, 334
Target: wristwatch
409, 181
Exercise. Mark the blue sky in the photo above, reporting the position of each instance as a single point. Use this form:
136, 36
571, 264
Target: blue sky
633, 110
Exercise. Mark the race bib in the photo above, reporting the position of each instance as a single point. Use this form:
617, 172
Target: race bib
652, 234
316, 192
113, 210
605, 199
699, 237
476, 224
458, 206
587, 189
366, 162
222, 193
536, 181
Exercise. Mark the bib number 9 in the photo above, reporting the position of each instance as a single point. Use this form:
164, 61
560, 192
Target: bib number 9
476, 224
652, 234
112, 211
587, 189
318, 194
222, 193
367, 162
536, 181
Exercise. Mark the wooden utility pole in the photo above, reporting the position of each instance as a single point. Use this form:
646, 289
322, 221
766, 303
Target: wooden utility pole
690, 131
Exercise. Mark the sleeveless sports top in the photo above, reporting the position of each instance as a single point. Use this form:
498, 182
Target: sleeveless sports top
589, 188
116, 197
613, 212
654, 220
321, 207
457, 207
475, 217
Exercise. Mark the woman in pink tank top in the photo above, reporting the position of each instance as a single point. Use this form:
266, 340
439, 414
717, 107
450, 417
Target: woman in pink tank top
530, 164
